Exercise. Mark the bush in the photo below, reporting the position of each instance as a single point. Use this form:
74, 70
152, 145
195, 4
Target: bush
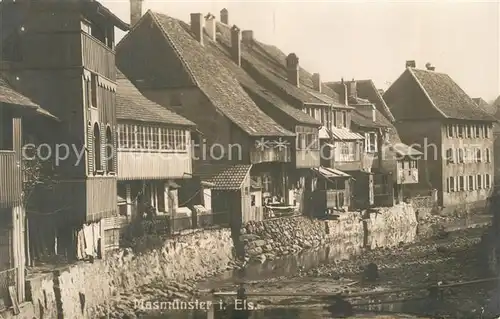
141, 235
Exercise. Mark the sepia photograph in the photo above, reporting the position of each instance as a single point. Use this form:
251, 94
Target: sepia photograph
249, 159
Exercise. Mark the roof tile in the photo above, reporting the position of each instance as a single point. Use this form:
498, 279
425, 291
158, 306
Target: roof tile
218, 84
223, 176
132, 105
448, 97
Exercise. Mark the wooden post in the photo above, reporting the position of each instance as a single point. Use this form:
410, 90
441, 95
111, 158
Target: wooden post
128, 192
18, 249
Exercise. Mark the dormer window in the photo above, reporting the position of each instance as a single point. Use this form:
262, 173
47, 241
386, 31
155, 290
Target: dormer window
86, 27
371, 142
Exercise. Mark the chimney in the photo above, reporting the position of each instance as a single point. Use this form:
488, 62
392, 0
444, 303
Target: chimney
236, 45
343, 92
210, 26
197, 26
247, 36
352, 91
135, 11
292, 69
316, 79
224, 16
429, 66
411, 64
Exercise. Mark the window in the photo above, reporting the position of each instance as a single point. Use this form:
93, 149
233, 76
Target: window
469, 131
344, 118
93, 90
487, 181
449, 130
371, 142
451, 184
487, 151
471, 182
122, 136
449, 156
481, 131
334, 119
479, 182
156, 138
266, 183
97, 148
312, 141
413, 164
486, 131
164, 138
461, 180
460, 131
109, 150
131, 136
302, 141
140, 137
86, 27
460, 155
478, 155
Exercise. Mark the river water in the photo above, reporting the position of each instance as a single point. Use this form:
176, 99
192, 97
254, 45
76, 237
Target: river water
281, 275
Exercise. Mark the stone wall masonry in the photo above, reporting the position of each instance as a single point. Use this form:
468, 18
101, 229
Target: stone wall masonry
73, 292
269, 239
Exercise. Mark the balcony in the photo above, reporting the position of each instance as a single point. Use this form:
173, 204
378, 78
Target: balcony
133, 165
10, 179
270, 154
97, 57
407, 176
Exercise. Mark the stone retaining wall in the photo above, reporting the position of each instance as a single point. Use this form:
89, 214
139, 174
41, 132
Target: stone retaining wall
73, 292
271, 238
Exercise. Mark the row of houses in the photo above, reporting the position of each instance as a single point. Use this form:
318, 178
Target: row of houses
189, 121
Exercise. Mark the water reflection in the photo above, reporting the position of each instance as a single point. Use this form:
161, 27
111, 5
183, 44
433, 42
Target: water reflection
342, 250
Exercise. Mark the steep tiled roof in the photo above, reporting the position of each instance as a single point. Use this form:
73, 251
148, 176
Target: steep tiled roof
132, 105
253, 88
448, 97
223, 176
216, 82
489, 108
366, 89
269, 64
9, 95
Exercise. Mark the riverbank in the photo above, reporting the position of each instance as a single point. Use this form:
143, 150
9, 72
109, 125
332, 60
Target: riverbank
111, 287
450, 259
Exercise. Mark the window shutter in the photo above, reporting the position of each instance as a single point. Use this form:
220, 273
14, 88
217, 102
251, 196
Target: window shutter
90, 148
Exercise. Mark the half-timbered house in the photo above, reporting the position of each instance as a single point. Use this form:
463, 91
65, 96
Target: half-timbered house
384, 156
340, 148
154, 150
454, 133
306, 148
65, 61
168, 61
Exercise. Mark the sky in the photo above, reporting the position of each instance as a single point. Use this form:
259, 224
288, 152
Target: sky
366, 39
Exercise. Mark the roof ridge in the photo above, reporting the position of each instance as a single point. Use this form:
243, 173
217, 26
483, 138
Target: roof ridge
425, 92
384, 104
174, 47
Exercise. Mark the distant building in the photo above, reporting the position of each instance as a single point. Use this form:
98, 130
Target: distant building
454, 134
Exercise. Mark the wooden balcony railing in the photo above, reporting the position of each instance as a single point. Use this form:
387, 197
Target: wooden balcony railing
270, 154
407, 176
307, 158
10, 179
97, 57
